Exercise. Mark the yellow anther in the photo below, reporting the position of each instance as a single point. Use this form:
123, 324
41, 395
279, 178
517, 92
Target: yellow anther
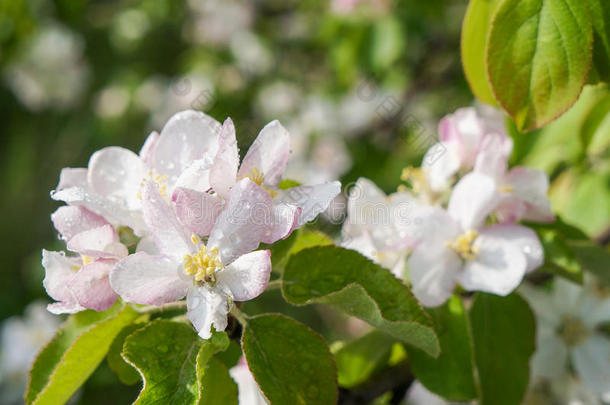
256, 176
202, 265
463, 245
415, 177
506, 189
86, 259
159, 180
195, 239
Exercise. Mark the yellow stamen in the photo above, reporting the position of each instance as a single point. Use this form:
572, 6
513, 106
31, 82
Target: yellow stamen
506, 189
256, 176
463, 245
415, 177
159, 180
202, 265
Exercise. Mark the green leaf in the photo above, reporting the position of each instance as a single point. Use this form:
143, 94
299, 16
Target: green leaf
538, 57
559, 257
291, 363
351, 282
600, 15
126, 373
451, 375
589, 203
593, 258
503, 333
285, 184
74, 353
231, 355
359, 359
217, 386
165, 354
595, 132
475, 29
387, 42
299, 240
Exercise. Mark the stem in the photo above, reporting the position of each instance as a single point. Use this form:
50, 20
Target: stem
151, 309
274, 285
241, 317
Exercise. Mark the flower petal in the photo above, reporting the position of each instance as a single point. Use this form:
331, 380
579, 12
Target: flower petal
72, 177
284, 220
440, 163
530, 187
59, 270
498, 268
592, 364
91, 286
524, 239
170, 236
195, 177
473, 198
268, 153
433, 269
145, 279
116, 174
248, 390
312, 200
147, 244
248, 276
492, 159
98, 242
223, 173
187, 136
72, 220
551, 357
148, 149
197, 211
245, 221
207, 307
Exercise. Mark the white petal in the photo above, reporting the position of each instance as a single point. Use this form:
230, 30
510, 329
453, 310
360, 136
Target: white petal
312, 200
492, 158
148, 149
567, 296
473, 198
551, 357
433, 270
72, 220
207, 307
116, 174
591, 360
419, 395
247, 277
498, 267
151, 280
72, 177
186, 137
531, 186
268, 153
440, 163
524, 239
91, 286
249, 393
542, 303
147, 244
96, 242
223, 173
170, 236
59, 270
195, 177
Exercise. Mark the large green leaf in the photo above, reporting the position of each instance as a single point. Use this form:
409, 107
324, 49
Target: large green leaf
126, 373
451, 375
358, 359
351, 282
538, 57
475, 29
165, 354
217, 386
291, 363
74, 353
503, 333
600, 14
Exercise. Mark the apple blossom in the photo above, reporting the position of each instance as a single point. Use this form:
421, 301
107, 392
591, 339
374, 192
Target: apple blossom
568, 320
213, 274
456, 247
80, 282
111, 184
264, 165
249, 393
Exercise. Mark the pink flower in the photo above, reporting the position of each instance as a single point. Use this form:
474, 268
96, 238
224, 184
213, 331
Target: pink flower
80, 282
457, 247
211, 275
111, 185
264, 165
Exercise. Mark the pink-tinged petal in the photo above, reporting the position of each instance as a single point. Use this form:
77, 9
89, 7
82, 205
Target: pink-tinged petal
150, 280
195, 177
64, 307
72, 220
433, 271
473, 198
364, 199
492, 159
284, 220
148, 149
530, 187
248, 390
466, 129
524, 239
591, 361
312, 200
248, 276
197, 211
91, 286
59, 270
72, 177
170, 236
245, 221
116, 174
223, 173
147, 244
440, 163
187, 136
268, 153
113, 211
207, 307
97, 242
498, 268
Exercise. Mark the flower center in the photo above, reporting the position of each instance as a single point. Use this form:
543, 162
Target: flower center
506, 189
159, 180
258, 177
202, 265
463, 245
573, 331
415, 177
86, 260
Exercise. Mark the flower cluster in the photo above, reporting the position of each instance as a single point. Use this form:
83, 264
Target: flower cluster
182, 218
455, 221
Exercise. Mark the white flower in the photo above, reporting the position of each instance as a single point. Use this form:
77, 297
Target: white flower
568, 320
249, 393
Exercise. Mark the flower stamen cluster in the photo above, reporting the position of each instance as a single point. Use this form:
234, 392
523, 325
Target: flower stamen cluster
463, 245
202, 265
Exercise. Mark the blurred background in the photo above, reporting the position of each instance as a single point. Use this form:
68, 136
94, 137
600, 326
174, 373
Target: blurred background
360, 84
